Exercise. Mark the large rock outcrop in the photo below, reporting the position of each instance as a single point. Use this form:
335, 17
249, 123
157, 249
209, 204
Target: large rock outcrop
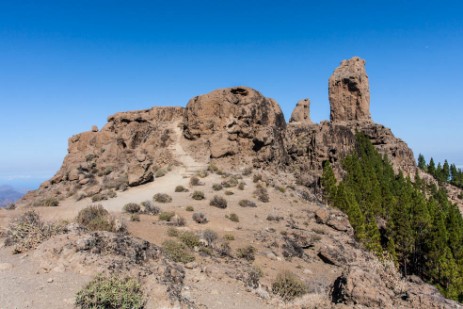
237, 123
349, 92
301, 113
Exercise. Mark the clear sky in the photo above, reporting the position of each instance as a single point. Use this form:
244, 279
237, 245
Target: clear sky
66, 65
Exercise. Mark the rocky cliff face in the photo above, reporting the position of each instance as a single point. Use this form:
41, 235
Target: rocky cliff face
349, 92
233, 127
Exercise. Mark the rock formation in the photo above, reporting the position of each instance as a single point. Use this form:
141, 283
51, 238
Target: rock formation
349, 92
238, 123
301, 113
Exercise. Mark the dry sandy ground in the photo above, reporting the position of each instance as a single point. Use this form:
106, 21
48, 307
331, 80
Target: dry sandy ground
23, 284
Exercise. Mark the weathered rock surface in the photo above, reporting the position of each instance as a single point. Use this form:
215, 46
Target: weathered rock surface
238, 123
301, 113
349, 92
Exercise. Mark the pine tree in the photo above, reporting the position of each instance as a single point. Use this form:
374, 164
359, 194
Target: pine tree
432, 167
446, 171
328, 182
421, 162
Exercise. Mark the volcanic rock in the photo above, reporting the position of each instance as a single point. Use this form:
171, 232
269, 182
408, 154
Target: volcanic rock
349, 92
301, 113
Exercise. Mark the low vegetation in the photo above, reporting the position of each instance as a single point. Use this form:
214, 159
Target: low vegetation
198, 195
28, 231
288, 286
247, 253
149, 208
189, 208
96, 218
177, 251
111, 292
217, 187
180, 188
233, 217
132, 208
262, 194
166, 215
46, 202
194, 181
199, 217
190, 239
219, 202
247, 203
162, 198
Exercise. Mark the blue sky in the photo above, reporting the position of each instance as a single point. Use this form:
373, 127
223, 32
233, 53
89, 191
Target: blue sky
66, 65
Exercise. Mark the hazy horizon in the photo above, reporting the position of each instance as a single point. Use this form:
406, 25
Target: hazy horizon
67, 66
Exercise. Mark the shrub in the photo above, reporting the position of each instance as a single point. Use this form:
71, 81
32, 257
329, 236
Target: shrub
162, 198
218, 202
281, 189
181, 189
28, 231
213, 168
247, 171
10, 206
150, 209
47, 202
254, 274
198, 195
132, 208
210, 236
172, 232
177, 220
111, 292
274, 218
166, 215
233, 217
99, 197
96, 218
202, 173
288, 286
223, 249
160, 172
256, 178
229, 237
199, 217
246, 253
217, 187
228, 192
247, 203
135, 217
189, 208
241, 185
177, 251
232, 182
194, 181
262, 194
190, 239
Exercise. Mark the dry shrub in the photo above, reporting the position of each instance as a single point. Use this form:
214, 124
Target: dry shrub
162, 198
189, 208
150, 209
246, 253
199, 217
288, 286
166, 215
247, 171
233, 217
96, 218
135, 217
28, 231
262, 194
198, 195
180, 188
210, 236
219, 202
190, 239
217, 187
229, 183
194, 181
46, 202
247, 203
132, 208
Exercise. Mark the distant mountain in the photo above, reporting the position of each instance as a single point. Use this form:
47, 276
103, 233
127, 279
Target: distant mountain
8, 195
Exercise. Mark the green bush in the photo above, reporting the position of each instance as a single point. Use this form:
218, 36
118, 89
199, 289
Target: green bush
177, 251
198, 195
288, 286
111, 293
190, 239
218, 202
166, 215
132, 208
172, 232
162, 198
